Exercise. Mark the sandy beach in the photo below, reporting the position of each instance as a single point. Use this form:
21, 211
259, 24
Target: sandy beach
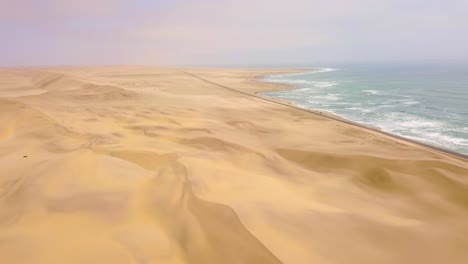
160, 165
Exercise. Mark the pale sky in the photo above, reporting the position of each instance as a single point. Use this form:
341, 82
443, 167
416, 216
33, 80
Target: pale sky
223, 32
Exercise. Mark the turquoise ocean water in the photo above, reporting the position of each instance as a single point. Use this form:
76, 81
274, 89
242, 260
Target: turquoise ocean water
424, 103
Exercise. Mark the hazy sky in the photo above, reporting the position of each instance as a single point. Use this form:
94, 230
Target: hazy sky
314, 32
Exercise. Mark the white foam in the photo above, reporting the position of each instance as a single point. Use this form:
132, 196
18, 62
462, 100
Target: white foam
410, 102
316, 84
360, 109
298, 92
288, 81
404, 101
315, 70
321, 84
331, 97
280, 77
420, 124
326, 69
374, 92
444, 138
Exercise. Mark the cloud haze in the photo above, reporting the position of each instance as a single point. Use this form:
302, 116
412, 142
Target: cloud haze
54, 32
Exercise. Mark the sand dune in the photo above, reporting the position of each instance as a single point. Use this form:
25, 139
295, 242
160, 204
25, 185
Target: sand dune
152, 165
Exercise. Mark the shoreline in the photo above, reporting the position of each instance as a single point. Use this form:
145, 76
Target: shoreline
287, 87
211, 174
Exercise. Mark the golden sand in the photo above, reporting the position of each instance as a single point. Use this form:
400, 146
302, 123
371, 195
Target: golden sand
150, 165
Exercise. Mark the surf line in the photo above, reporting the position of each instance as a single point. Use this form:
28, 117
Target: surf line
360, 126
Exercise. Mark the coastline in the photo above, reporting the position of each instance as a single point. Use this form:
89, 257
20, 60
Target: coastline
176, 166
285, 87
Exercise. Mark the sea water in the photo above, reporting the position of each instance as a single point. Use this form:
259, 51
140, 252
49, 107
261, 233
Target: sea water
425, 103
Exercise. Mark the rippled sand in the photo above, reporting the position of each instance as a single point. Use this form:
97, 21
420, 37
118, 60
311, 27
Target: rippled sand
150, 165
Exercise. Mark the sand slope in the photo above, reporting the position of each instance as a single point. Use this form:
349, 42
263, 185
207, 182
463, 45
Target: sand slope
151, 165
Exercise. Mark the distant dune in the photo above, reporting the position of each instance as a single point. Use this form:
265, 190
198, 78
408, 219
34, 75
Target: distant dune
153, 165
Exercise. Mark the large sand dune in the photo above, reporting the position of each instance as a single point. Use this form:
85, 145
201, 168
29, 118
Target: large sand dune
150, 165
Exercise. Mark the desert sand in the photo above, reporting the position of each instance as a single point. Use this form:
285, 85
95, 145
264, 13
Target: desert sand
151, 165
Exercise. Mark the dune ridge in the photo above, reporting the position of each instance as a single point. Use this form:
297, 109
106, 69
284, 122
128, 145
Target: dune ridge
153, 165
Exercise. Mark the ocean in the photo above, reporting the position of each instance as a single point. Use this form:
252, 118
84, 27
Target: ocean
424, 103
